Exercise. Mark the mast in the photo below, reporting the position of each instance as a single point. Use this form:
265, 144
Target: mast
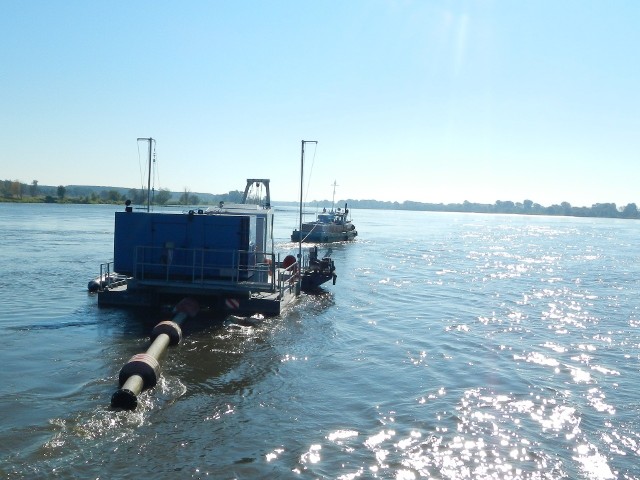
333, 199
300, 223
150, 141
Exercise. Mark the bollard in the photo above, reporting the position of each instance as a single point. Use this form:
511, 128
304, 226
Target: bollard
142, 370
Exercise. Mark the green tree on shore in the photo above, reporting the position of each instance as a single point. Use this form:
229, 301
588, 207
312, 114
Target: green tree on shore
162, 197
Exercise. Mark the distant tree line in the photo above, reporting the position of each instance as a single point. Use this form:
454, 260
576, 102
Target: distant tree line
16, 191
527, 207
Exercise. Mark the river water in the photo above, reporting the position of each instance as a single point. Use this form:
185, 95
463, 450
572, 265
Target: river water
452, 346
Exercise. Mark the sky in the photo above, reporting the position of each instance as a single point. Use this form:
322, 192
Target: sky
435, 101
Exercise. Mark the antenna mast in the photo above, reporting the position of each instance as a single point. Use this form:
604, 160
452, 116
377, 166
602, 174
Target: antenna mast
300, 225
150, 141
333, 200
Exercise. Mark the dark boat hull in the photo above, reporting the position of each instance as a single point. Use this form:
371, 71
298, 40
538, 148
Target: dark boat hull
323, 236
312, 281
318, 272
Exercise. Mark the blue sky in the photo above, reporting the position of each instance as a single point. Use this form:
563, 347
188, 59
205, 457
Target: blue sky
429, 101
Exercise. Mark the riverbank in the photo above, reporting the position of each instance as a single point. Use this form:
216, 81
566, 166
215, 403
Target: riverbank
598, 210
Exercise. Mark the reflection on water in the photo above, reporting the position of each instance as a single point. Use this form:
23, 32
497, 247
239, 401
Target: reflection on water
452, 346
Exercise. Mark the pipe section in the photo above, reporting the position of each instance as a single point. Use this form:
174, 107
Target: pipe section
142, 370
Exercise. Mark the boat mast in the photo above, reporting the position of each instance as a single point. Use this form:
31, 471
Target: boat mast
300, 223
150, 141
333, 199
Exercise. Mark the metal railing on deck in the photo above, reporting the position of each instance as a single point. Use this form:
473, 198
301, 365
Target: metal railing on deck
108, 277
106, 269
203, 266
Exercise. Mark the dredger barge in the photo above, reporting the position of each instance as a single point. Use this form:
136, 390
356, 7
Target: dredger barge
223, 257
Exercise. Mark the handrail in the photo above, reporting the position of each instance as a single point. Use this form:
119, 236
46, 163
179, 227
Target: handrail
108, 277
265, 274
201, 265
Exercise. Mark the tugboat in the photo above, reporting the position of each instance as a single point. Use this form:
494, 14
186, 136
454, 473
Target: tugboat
332, 226
222, 257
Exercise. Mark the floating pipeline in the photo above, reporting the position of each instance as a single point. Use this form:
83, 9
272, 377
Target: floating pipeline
141, 372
